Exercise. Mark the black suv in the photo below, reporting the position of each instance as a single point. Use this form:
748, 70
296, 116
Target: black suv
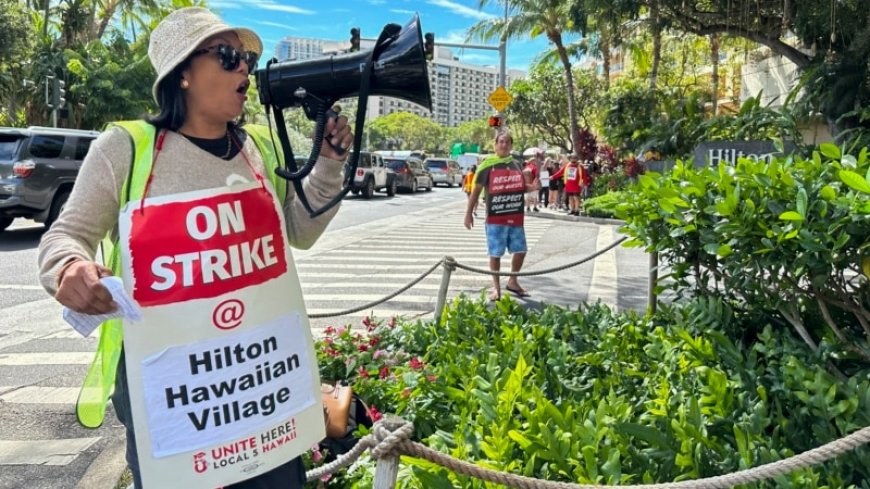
38, 167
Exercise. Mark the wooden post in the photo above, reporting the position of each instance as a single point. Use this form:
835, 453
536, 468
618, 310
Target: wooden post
387, 469
653, 280
445, 284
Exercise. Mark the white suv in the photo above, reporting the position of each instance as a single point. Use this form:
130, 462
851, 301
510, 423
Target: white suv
371, 175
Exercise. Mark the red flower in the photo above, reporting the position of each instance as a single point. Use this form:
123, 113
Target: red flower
375, 414
415, 364
374, 341
369, 324
363, 373
328, 340
329, 330
363, 347
406, 392
332, 352
385, 372
431, 378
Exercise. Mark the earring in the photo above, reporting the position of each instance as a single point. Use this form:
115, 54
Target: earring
185, 84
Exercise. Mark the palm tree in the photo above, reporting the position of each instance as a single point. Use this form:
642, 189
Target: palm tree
532, 18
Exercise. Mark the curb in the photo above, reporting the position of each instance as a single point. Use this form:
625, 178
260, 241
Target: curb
588, 219
106, 470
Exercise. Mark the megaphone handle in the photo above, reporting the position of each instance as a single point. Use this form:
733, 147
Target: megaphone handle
331, 114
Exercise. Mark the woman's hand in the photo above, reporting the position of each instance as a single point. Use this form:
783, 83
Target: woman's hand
80, 288
337, 132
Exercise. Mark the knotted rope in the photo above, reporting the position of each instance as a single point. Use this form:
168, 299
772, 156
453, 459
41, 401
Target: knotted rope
386, 442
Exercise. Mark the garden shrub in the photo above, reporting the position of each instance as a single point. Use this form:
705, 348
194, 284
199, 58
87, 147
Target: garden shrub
603, 205
786, 237
591, 396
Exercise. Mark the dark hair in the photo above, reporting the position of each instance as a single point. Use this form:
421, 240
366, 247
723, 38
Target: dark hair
170, 99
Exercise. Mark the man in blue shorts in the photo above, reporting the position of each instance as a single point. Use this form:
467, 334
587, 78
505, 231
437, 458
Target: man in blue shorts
506, 185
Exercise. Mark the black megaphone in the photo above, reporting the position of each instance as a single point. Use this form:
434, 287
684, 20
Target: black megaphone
394, 67
399, 71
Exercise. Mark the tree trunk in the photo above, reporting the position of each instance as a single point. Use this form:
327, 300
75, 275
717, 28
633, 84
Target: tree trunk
714, 55
45, 20
605, 53
569, 83
657, 44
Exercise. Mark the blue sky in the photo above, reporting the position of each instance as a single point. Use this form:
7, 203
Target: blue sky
448, 19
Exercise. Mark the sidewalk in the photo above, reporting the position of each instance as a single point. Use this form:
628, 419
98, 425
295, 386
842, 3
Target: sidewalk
619, 277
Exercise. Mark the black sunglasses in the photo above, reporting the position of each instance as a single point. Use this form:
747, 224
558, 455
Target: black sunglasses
230, 57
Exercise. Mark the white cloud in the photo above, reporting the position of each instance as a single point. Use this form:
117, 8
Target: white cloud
225, 5
454, 36
462, 10
276, 24
271, 5
402, 11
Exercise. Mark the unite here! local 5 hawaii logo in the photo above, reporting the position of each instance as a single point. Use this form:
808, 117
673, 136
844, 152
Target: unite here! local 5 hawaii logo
205, 248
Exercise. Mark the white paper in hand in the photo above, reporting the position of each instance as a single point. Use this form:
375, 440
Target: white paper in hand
85, 324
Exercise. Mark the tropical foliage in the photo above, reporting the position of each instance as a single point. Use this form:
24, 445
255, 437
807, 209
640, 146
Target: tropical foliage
786, 239
595, 397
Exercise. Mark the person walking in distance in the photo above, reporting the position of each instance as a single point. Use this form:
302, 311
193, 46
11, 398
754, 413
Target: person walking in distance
544, 179
531, 169
573, 182
505, 183
468, 184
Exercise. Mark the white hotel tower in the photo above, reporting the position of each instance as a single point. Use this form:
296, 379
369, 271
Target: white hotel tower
459, 90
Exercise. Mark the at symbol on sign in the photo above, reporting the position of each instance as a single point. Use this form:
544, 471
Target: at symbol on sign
228, 314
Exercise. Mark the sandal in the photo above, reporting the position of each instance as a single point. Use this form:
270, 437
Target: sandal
518, 292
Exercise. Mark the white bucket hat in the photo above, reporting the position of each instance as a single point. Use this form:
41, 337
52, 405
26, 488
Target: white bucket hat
182, 31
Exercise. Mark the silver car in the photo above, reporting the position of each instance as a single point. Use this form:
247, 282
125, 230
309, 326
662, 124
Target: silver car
444, 171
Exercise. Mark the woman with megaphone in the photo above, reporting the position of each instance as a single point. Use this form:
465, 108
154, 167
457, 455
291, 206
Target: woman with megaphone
216, 382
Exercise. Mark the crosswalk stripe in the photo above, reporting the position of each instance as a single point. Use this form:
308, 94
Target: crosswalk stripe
69, 334
323, 275
436, 252
370, 285
41, 395
43, 452
361, 298
379, 313
323, 262
46, 358
20, 287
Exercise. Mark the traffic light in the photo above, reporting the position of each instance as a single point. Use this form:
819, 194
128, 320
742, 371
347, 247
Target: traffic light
495, 121
354, 39
59, 94
49, 91
429, 45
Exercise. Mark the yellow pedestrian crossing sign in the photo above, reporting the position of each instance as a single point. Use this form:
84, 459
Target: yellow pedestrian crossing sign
499, 99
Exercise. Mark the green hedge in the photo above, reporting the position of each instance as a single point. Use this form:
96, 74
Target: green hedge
603, 205
590, 396
785, 237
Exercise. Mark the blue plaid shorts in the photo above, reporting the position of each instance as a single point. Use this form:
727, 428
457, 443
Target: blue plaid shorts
500, 236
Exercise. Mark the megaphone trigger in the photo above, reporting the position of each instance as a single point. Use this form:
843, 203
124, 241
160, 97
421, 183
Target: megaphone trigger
336, 146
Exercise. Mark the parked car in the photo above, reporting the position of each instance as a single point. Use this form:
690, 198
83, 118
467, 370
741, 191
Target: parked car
38, 167
444, 171
372, 175
410, 174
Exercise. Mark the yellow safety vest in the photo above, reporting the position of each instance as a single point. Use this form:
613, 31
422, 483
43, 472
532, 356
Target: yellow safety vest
100, 380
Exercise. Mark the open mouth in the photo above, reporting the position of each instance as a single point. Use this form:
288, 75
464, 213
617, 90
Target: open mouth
243, 87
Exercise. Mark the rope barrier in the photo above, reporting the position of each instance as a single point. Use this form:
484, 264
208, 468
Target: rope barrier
452, 264
386, 442
381, 301
548, 270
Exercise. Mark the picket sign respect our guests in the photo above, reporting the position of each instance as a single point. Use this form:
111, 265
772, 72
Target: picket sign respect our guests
222, 370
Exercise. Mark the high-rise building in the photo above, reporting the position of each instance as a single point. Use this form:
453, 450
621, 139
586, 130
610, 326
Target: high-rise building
459, 90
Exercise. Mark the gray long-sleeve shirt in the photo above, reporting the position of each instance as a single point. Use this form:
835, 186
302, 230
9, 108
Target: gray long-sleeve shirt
93, 207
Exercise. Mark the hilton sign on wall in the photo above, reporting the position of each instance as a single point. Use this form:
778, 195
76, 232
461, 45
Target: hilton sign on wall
714, 152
